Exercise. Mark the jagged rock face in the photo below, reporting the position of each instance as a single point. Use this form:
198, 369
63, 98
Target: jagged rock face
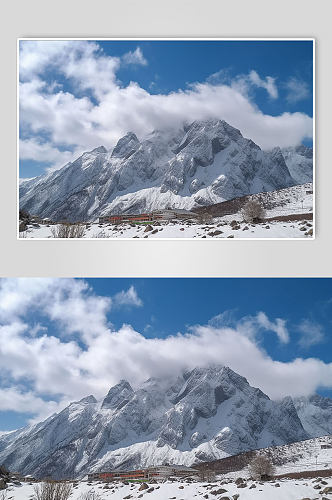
207, 413
204, 163
126, 146
118, 396
315, 413
299, 163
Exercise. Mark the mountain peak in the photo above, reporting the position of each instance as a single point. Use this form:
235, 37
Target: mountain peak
99, 150
95, 151
118, 395
125, 146
216, 125
88, 400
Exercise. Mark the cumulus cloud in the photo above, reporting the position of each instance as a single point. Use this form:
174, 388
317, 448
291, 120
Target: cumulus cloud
16, 295
80, 352
311, 333
13, 399
268, 84
297, 90
70, 303
65, 117
82, 62
101, 110
34, 149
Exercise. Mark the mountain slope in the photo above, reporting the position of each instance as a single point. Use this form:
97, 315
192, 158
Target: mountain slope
308, 455
292, 200
204, 163
206, 414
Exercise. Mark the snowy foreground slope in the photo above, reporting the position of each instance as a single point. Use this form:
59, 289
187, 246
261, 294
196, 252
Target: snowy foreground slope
220, 228
206, 414
281, 489
204, 163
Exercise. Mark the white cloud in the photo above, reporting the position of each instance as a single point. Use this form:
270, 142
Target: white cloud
311, 333
128, 354
221, 76
268, 84
135, 57
33, 149
36, 329
127, 298
89, 355
45, 362
70, 303
80, 61
226, 318
13, 399
103, 110
278, 326
65, 117
16, 295
251, 326
141, 112
35, 56
297, 90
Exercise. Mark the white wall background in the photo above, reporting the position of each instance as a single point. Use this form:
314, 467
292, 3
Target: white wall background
167, 18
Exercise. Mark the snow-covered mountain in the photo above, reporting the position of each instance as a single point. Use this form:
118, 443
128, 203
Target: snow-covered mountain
299, 163
315, 413
206, 414
204, 163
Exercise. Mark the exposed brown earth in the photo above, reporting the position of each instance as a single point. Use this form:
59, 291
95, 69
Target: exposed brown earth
228, 464
228, 207
307, 474
290, 217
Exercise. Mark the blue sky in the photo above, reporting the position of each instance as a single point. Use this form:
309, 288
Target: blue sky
175, 64
76, 95
63, 339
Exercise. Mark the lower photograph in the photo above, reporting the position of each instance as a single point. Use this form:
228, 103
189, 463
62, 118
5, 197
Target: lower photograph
170, 388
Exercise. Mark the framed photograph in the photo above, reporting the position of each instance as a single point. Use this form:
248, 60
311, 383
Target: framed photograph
140, 353
166, 138
117, 397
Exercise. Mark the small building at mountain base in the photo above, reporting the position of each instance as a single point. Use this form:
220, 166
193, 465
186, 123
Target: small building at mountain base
157, 215
159, 472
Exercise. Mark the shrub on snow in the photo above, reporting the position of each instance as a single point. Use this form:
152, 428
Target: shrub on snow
253, 210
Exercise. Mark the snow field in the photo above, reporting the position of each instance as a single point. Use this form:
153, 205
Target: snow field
180, 230
288, 489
